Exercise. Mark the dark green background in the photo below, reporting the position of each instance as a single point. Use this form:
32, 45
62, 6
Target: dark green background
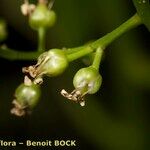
116, 118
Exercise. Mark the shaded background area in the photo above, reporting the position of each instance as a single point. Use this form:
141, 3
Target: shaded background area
117, 116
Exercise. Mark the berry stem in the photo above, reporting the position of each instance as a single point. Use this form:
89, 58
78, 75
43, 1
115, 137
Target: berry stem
80, 53
97, 58
11, 54
41, 39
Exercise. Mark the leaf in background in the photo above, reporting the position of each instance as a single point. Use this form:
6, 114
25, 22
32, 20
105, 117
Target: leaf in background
143, 9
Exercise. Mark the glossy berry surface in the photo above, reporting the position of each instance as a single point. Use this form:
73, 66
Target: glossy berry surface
42, 17
56, 64
87, 80
28, 95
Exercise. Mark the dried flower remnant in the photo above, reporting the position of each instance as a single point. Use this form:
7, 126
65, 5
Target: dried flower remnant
27, 8
18, 109
75, 96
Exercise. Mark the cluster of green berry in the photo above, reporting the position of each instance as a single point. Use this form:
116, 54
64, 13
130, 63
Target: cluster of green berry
53, 63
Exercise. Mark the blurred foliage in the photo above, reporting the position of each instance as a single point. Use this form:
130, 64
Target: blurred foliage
3, 30
143, 9
113, 119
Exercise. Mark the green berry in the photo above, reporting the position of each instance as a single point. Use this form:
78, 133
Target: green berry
87, 80
56, 62
28, 95
42, 17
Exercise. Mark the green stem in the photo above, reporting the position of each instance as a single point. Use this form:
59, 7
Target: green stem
73, 50
80, 53
41, 39
18, 55
77, 52
133, 22
97, 58
76, 49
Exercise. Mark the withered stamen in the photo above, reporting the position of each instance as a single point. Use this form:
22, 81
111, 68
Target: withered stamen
75, 96
38, 80
27, 8
18, 110
27, 81
35, 70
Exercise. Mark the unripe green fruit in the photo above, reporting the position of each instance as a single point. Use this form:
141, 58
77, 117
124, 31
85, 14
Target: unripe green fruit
56, 64
87, 80
42, 17
28, 95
